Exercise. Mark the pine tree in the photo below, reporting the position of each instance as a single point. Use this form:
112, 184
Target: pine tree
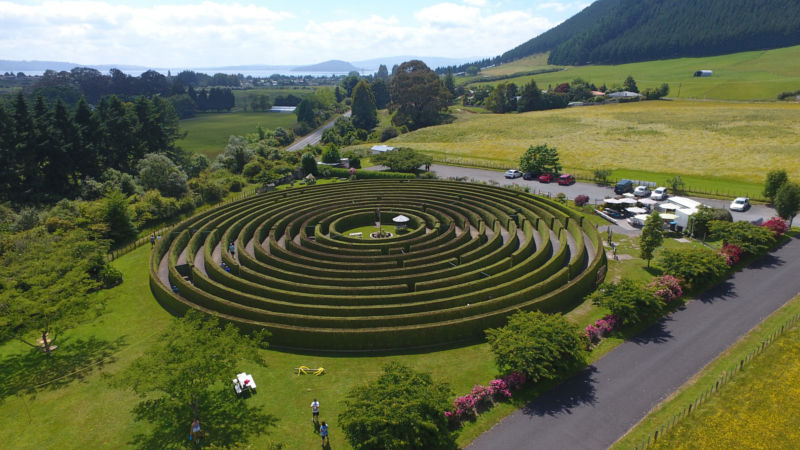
365, 114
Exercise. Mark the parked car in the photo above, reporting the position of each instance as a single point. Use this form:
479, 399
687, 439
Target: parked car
511, 173
529, 176
660, 193
641, 191
740, 204
566, 179
623, 186
546, 177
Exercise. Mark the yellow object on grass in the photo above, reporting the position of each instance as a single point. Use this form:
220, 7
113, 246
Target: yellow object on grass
305, 370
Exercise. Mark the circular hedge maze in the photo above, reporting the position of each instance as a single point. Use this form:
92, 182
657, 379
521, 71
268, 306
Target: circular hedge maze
471, 255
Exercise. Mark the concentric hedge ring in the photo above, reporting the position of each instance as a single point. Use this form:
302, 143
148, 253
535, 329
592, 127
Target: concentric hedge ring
473, 255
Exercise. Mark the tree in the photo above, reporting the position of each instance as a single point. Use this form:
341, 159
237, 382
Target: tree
630, 84
750, 238
775, 179
309, 163
117, 218
530, 97
236, 154
380, 89
365, 114
418, 95
472, 70
627, 299
159, 172
540, 159
401, 409
305, 112
383, 72
675, 184
699, 221
539, 345
402, 160
331, 155
450, 81
692, 264
45, 281
787, 201
180, 377
651, 237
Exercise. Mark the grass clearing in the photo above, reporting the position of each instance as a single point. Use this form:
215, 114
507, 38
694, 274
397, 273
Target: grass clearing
757, 406
718, 145
755, 75
208, 133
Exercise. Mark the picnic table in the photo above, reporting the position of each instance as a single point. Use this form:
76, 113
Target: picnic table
244, 382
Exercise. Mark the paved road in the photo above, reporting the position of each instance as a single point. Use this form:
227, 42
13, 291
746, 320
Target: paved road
596, 407
314, 137
595, 192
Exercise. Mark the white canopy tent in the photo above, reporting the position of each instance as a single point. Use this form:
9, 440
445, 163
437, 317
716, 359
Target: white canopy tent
401, 222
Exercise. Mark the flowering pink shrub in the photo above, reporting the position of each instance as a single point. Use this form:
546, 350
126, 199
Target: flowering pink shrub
581, 200
667, 288
499, 389
732, 253
514, 380
482, 395
464, 407
601, 327
777, 225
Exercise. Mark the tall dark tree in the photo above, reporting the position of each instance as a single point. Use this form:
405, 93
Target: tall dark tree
630, 84
450, 81
119, 140
305, 112
383, 73
59, 168
418, 95
530, 97
380, 89
365, 114
87, 136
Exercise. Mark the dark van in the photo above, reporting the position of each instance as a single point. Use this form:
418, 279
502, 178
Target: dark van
623, 186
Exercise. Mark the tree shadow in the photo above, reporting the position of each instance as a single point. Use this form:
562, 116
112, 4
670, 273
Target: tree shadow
722, 291
655, 334
226, 421
74, 359
561, 399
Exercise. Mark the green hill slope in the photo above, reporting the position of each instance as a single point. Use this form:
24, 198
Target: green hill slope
755, 75
623, 31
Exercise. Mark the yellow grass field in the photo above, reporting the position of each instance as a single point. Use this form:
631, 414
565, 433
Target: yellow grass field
733, 141
757, 409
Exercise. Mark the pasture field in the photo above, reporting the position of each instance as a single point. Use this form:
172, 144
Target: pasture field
273, 91
208, 132
756, 75
730, 144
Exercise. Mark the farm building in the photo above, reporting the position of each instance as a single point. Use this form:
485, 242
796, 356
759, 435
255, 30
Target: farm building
624, 94
703, 73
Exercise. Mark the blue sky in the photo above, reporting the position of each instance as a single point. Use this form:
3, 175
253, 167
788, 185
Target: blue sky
186, 33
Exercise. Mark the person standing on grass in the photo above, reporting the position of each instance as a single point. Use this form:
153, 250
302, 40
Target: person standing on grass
315, 411
195, 430
323, 433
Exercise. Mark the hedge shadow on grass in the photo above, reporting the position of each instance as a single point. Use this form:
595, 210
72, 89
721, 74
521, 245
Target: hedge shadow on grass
73, 360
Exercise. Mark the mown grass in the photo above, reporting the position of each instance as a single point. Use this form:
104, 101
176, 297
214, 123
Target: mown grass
725, 146
756, 75
208, 133
755, 409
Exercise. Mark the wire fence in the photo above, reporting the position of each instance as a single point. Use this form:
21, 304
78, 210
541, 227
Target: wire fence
156, 234
723, 379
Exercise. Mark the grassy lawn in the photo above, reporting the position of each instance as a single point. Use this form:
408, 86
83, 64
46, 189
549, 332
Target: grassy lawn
208, 133
720, 146
755, 409
756, 75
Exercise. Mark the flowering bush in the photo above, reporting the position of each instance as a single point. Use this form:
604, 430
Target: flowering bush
732, 253
464, 407
581, 200
777, 225
514, 380
482, 395
601, 327
667, 288
499, 389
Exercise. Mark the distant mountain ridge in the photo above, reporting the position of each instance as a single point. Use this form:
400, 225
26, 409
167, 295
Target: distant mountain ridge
623, 31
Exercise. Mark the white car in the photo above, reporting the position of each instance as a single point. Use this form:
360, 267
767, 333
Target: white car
641, 191
740, 204
660, 193
511, 173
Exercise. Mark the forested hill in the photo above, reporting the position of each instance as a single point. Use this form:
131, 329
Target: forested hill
622, 31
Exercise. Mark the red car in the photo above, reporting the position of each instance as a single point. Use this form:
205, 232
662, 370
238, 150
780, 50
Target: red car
546, 177
566, 179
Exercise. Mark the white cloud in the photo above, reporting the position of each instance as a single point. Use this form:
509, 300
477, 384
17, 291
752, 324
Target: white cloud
216, 34
563, 6
475, 2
